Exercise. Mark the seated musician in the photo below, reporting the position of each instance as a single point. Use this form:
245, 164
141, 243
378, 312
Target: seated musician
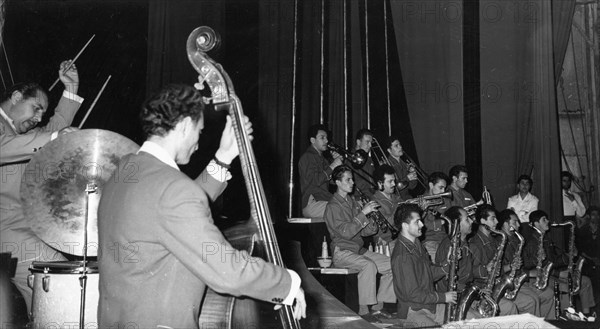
347, 223
166, 219
465, 264
414, 273
386, 198
552, 253
435, 231
315, 170
523, 203
484, 248
508, 219
406, 177
364, 176
460, 176
588, 243
21, 110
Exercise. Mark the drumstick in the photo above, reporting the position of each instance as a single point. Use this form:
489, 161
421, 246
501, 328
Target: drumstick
72, 62
94, 103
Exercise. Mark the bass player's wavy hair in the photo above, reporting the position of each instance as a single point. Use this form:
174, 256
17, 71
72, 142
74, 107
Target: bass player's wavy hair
163, 110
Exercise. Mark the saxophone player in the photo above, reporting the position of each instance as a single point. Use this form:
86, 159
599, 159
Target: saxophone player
465, 264
347, 223
414, 273
484, 248
539, 221
507, 220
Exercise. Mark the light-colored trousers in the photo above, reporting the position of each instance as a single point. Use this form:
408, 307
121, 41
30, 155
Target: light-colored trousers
314, 209
368, 265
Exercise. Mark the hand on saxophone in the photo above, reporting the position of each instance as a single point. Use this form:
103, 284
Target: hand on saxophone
516, 263
451, 297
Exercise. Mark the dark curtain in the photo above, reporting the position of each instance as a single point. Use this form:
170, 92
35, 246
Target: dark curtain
428, 39
38, 35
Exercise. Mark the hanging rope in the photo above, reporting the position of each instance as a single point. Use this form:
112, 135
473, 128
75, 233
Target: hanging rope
387, 69
293, 128
322, 68
12, 80
345, 79
367, 65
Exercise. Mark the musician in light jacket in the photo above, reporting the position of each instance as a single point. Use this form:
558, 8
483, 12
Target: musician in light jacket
160, 247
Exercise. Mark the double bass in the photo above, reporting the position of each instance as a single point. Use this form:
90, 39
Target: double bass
224, 311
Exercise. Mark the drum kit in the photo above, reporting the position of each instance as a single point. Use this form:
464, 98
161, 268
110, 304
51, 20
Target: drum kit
60, 191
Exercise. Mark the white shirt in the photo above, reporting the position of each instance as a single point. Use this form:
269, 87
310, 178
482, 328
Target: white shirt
523, 207
572, 208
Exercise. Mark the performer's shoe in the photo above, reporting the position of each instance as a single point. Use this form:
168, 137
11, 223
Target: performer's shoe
381, 314
370, 318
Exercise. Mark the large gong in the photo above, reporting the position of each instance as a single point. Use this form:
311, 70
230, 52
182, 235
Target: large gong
54, 188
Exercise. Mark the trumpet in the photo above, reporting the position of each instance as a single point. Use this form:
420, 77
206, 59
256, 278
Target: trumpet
472, 208
432, 200
357, 158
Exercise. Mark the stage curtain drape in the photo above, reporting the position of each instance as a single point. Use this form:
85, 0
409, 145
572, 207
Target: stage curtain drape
428, 39
519, 111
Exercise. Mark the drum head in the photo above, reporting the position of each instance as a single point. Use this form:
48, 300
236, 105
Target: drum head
63, 267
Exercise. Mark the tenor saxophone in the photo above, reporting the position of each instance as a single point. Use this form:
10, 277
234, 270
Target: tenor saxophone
487, 306
520, 279
508, 282
543, 272
451, 309
574, 270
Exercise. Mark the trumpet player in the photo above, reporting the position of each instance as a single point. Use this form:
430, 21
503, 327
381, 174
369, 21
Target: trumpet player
485, 249
435, 231
539, 220
315, 171
407, 177
363, 177
386, 198
509, 223
460, 177
347, 223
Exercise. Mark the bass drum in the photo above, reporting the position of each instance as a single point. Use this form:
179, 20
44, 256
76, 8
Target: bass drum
57, 294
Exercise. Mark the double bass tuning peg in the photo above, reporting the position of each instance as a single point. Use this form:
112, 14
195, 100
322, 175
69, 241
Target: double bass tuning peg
205, 39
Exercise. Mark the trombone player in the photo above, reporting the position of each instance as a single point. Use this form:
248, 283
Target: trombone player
404, 175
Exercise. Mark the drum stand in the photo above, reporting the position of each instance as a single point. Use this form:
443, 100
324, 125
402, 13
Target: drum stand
89, 188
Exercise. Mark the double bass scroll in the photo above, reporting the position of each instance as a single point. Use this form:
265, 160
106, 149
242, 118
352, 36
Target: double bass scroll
220, 310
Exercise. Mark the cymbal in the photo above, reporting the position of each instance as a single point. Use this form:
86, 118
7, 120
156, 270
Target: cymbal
53, 187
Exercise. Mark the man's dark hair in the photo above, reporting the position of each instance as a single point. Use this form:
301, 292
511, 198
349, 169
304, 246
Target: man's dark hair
456, 170
483, 212
390, 140
314, 130
437, 176
404, 213
338, 172
453, 212
525, 177
566, 174
379, 174
28, 89
504, 217
163, 110
362, 132
536, 215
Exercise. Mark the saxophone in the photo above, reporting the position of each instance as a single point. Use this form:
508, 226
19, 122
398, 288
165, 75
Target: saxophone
520, 279
543, 272
488, 306
509, 283
574, 275
451, 314
485, 309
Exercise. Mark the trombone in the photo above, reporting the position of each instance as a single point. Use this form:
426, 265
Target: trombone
357, 158
432, 200
379, 155
422, 176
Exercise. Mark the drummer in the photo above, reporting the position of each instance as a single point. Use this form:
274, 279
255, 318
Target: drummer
21, 110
